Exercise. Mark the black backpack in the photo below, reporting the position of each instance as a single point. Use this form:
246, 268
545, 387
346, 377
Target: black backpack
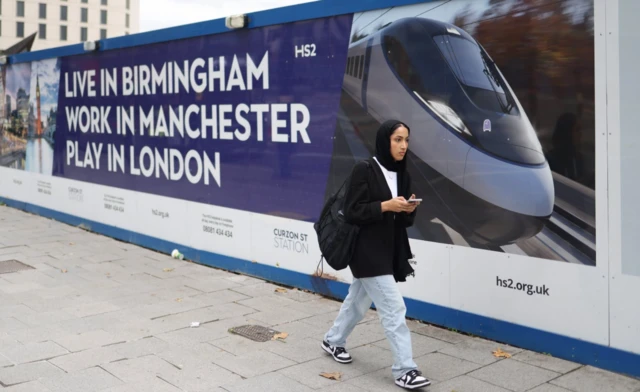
336, 237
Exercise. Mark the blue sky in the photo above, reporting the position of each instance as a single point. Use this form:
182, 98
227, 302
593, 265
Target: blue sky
158, 14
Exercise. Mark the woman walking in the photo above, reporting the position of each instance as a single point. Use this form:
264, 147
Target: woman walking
377, 201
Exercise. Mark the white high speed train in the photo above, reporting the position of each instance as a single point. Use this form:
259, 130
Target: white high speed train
470, 138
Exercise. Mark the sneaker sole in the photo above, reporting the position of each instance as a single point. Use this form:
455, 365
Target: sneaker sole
326, 349
424, 384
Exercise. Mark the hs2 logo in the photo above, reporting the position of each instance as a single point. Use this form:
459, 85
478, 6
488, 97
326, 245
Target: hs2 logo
306, 50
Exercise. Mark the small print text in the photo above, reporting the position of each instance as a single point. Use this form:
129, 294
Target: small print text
525, 287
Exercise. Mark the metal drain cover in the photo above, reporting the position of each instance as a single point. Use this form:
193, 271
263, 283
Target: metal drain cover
256, 333
9, 266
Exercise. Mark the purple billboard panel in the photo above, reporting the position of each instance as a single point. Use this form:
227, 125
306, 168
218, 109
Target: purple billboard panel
242, 120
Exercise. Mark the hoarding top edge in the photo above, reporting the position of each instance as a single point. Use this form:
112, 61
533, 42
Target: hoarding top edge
311, 10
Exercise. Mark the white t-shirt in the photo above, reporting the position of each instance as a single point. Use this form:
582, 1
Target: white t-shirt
391, 177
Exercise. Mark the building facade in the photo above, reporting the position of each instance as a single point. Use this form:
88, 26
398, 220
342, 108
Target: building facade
65, 22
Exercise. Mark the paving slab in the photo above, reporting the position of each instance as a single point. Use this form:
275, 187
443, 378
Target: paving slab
87, 359
546, 362
514, 375
548, 388
590, 379
32, 386
441, 367
151, 384
478, 350
270, 382
254, 363
34, 352
465, 384
439, 333
19, 374
92, 379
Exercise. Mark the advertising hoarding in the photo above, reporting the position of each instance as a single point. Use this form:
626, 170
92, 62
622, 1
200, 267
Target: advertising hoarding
230, 143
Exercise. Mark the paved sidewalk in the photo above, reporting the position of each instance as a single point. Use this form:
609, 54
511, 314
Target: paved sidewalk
96, 314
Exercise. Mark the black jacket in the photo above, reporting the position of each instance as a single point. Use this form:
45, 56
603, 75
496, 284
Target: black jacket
382, 247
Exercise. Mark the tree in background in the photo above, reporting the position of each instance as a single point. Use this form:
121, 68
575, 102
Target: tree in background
545, 49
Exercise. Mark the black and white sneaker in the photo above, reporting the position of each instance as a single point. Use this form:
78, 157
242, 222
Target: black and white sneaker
339, 353
412, 380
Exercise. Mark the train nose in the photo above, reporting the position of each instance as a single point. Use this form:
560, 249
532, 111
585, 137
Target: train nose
511, 202
511, 138
526, 190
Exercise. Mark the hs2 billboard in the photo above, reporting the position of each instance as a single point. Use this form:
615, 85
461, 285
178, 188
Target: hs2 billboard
230, 143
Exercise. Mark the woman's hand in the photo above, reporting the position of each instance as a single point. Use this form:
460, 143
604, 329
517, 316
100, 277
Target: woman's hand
398, 204
412, 206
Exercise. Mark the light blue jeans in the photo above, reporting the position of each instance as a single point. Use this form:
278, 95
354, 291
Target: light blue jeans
386, 296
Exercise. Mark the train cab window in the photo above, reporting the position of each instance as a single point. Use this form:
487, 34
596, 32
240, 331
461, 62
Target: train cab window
465, 60
401, 63
475, 72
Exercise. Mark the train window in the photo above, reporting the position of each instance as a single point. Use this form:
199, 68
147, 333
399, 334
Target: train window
356, 66
361, 66
466, 61
475, 72
401, 63
348, 65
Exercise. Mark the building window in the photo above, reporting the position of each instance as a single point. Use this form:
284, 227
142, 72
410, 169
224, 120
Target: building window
128, 4
103, 33
127, 21
42, 31
20, 29
103, 2
85, 1
103, 17
42, 13
0, 27
63, 12
0, 7
83, 34
126, 33
84, 15
63, 33
20, 8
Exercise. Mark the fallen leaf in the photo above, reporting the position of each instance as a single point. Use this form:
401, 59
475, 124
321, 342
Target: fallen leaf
168, 269
281, 335
64, 271
71, 243
178, 299
332, 376
501, 354
281, 290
